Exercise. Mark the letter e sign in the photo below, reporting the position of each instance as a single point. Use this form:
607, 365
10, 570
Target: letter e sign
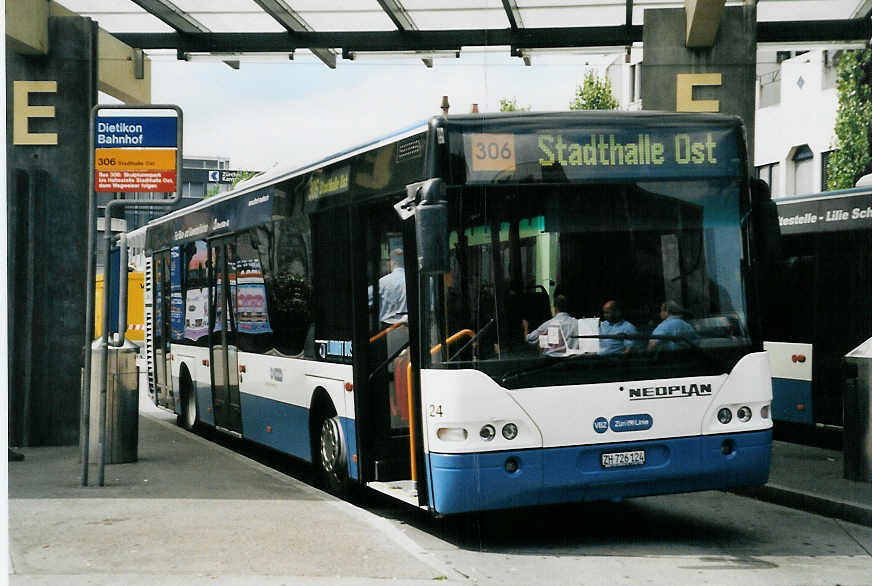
23, 111
684, 83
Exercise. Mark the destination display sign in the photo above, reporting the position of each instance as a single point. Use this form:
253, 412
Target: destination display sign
826, 214
329, 183
135, 154
566, 154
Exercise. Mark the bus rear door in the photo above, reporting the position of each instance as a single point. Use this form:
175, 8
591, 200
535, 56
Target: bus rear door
223, 349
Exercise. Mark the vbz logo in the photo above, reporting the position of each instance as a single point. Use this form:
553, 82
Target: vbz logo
600, 425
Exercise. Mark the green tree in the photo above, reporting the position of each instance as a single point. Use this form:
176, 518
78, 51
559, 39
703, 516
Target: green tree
511, 105
852, 159
594, 94
242, 176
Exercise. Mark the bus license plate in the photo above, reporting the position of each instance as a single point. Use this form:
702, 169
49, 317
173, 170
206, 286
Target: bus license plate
620, 459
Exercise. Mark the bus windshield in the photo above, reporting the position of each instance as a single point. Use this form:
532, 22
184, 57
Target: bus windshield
638, 274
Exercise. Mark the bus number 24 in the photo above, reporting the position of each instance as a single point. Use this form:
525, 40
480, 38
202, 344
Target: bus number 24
434, 410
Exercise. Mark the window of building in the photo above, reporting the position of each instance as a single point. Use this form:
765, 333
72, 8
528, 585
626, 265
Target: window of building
769, 174
825, 174
803, 170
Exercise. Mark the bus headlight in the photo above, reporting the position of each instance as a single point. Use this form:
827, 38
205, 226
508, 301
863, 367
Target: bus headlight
487, 432
725, 415
744, 414
510, 431
764, 412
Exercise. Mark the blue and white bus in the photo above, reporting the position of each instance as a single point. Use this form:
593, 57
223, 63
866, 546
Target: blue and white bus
265, 311
822, 307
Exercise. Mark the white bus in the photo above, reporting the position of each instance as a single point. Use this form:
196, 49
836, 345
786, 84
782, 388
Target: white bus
372, 313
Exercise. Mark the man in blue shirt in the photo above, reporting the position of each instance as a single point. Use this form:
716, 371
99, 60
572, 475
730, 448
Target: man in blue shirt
392, 292
557, 332
614, 324
673, 325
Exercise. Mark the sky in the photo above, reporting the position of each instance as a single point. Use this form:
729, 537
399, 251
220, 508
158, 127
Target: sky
289, 113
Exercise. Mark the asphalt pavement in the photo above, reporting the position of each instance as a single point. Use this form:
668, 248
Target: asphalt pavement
191, 511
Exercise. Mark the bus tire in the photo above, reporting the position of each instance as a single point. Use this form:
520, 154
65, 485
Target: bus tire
332, 456
188, 417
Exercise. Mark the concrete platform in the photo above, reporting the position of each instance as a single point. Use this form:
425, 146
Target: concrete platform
193, 512
810, 479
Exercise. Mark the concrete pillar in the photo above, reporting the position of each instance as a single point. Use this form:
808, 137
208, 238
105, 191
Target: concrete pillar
719, 78
47, 185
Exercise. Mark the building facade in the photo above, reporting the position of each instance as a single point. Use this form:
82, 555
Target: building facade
796, 106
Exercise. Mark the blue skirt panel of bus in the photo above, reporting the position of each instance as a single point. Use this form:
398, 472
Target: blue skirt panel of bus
204, 404
348, 431
786, 395
289, 428
471, 482
288, 425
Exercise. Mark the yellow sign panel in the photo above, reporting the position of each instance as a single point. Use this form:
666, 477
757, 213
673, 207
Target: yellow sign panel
492, 152
135, 160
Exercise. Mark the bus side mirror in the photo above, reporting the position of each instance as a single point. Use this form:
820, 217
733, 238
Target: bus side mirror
431, 227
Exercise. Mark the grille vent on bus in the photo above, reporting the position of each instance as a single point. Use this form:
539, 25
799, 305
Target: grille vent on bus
149, 325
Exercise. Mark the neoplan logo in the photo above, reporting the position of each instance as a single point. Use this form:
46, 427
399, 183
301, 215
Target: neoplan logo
670, 392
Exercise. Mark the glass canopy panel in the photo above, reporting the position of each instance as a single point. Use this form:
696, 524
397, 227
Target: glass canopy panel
776, 10
120, 16
547, 14
129, 23
457, 14
343, 15
226, 16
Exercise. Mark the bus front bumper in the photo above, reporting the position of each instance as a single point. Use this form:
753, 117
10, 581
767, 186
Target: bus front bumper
481, 481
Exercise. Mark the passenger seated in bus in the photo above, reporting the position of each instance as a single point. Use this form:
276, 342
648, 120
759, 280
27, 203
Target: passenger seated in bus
673, 325
555, 334
392, 292
614, 324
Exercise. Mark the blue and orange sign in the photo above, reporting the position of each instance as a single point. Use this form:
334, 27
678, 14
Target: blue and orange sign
135, 154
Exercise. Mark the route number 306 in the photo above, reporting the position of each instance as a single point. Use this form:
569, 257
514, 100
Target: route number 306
492, 152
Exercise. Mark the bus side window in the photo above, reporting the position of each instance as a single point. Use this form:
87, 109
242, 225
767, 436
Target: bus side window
196, 293
253, 320
283, 255
331, 275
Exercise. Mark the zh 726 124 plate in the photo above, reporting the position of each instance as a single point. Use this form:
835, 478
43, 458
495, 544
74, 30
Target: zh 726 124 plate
621, 459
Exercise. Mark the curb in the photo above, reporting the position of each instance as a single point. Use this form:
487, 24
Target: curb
810, 502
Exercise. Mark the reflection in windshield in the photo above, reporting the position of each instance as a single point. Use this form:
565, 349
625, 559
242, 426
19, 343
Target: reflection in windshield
589, 271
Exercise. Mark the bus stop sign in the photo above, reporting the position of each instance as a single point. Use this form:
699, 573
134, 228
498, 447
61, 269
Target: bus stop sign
135, 154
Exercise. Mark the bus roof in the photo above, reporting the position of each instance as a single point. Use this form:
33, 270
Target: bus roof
853, 191
280, 173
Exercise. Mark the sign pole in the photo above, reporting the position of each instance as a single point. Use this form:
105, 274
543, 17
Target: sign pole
123, 171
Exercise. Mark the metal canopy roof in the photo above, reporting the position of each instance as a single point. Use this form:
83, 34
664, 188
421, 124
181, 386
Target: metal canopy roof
328, 29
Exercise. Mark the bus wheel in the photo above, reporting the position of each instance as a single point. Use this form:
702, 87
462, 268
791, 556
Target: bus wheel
189, 418
332, 457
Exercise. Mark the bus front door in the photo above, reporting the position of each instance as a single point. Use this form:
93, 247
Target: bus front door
385, 400
223, 349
